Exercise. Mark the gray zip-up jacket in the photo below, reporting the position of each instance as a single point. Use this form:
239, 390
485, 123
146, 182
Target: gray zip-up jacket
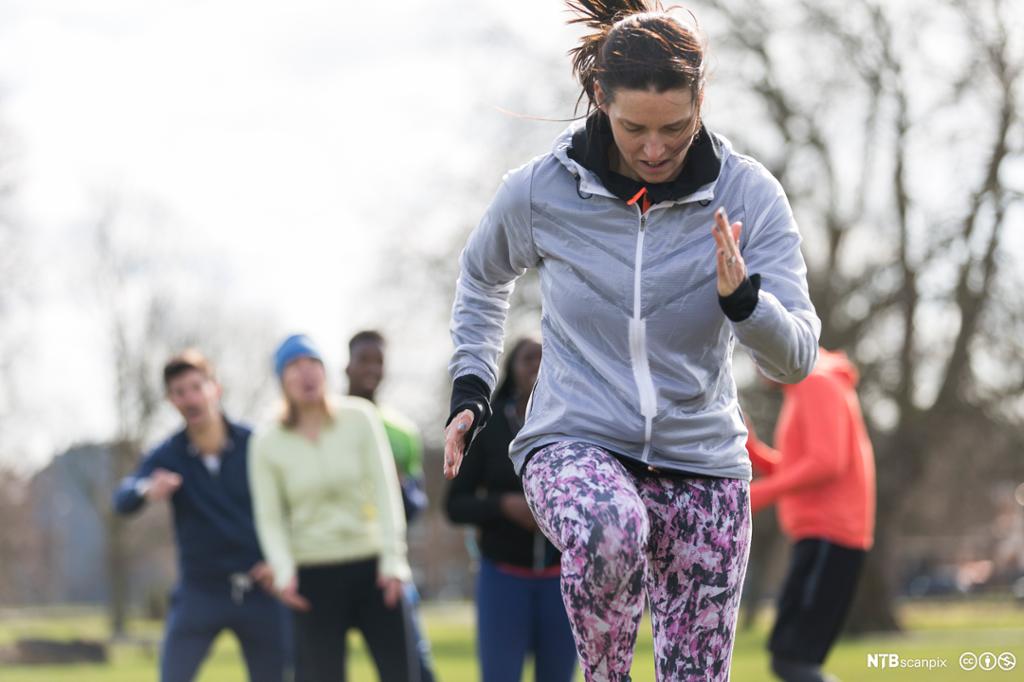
637, 353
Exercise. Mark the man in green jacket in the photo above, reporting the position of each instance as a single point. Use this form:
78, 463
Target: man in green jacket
365, 372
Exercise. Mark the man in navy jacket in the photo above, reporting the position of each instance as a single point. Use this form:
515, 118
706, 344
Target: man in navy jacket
203, 471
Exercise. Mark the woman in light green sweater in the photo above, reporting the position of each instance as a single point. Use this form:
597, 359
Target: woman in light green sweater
328, 512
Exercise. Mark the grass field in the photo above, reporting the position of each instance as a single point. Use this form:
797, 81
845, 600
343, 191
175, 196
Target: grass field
935, 631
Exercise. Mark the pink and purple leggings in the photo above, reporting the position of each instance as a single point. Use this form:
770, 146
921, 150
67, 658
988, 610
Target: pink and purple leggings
681, 542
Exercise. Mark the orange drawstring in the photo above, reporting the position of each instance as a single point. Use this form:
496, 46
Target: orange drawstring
636, 197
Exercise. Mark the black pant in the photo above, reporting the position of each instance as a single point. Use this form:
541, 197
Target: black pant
343, 596
815, 599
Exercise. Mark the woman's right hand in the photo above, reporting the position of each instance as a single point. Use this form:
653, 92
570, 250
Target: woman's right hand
455, 443
515, 508
289, 594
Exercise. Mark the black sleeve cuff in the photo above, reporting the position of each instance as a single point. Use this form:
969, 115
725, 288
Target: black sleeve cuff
470, 392
740, 304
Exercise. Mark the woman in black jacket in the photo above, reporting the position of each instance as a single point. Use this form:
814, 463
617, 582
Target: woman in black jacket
519, 603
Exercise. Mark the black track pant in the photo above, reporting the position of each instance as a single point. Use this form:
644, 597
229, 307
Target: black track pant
345, 596
815, 599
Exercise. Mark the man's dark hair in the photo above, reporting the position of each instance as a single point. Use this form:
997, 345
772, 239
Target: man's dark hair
189, 360
366, 336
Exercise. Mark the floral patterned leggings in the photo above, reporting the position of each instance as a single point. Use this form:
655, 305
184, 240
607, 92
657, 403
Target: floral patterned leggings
682, 541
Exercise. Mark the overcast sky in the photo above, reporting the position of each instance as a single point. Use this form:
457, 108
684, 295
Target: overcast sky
283, 139
293, 144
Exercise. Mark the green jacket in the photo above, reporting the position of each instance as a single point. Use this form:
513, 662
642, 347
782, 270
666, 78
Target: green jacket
406, 444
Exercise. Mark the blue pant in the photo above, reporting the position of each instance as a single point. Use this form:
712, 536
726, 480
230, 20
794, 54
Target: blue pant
419, 635
199, 614
517, 616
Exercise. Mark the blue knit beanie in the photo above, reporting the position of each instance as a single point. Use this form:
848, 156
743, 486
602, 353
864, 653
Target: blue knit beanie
294, 347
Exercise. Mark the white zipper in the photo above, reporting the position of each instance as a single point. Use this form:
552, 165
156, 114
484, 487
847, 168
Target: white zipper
638, 346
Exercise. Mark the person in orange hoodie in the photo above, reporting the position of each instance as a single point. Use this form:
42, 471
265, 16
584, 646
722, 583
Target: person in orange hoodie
822, 476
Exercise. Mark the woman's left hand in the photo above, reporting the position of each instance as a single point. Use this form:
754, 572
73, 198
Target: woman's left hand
392, 588
731, 268
291, 597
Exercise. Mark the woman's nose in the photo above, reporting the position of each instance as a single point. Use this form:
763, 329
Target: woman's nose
654, 149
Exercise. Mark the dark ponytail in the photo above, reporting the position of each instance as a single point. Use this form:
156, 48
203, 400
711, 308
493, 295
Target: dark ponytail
636, 45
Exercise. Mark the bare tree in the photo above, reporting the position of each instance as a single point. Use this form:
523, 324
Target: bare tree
893, 127
516, 120
895, 157
134, 318
507, 128
17, 542
14, 273
157, 296
16, 539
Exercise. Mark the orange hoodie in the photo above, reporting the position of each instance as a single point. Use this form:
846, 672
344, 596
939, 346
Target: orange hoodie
823, 474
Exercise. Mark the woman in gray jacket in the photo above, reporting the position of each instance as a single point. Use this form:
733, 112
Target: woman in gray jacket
632, 454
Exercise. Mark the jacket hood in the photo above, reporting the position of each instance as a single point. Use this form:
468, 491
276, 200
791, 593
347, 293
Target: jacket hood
835, 363
583, 149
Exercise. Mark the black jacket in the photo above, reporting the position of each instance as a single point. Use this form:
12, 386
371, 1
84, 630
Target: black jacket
474, 497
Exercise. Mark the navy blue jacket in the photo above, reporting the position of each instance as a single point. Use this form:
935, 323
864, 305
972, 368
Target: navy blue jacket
213, 524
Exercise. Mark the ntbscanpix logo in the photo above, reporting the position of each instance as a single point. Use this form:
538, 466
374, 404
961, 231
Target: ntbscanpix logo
895, 661
969, 661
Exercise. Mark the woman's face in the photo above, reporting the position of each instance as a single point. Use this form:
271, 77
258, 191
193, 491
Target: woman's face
304, 382
526, 366
652, 130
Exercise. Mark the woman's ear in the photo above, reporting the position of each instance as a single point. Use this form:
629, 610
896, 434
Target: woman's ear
599, 98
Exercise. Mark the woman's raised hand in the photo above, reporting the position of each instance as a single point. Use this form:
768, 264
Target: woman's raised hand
731, 268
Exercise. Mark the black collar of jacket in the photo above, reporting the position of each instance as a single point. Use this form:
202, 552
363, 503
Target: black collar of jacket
590, 149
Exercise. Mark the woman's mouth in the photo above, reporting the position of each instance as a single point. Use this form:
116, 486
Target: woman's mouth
654, 167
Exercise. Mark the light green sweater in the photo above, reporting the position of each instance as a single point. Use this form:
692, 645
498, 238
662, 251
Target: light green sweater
333, 500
